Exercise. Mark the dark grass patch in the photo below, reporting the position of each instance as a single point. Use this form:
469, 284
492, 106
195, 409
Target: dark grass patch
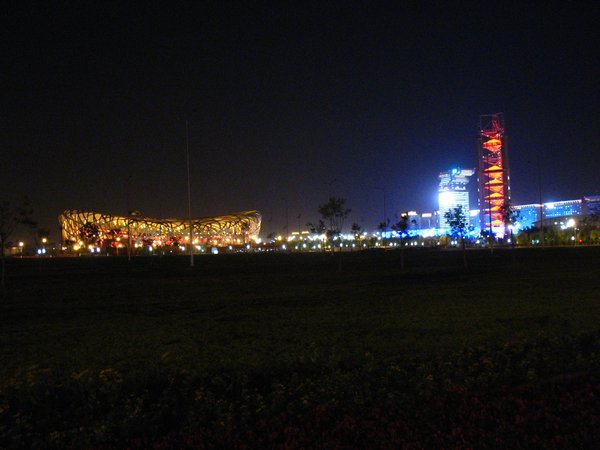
283, 350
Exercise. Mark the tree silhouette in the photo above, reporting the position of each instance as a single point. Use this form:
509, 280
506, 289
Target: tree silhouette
334, 214
400, 227
456, 218
356, 230
11, 217
510, 216
316, 228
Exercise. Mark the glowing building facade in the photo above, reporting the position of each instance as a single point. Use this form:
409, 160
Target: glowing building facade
591, 204
494, 177
453, 192
104, 230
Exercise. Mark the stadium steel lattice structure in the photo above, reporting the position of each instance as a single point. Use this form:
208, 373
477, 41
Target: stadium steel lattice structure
494, 178
94, 228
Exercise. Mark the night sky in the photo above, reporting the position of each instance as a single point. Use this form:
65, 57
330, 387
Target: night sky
281, 102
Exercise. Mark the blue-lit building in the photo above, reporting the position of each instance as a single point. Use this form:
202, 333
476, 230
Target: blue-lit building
591, 205
554, 213
528, 215
562, 209
452, 192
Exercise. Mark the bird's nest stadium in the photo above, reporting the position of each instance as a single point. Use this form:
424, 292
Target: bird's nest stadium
86, 228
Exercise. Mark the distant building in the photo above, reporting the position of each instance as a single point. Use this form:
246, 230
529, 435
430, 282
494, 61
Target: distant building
428, 221
528, 215
453, 192
591, 204
562, 209
414, 220
104, 230
474, 219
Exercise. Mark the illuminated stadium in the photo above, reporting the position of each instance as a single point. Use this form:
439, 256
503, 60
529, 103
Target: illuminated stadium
96, 229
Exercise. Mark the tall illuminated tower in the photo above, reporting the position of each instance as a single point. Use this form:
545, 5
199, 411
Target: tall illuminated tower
494, 178
453, 192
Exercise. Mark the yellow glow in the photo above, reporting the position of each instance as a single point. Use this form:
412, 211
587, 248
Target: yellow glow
238, 227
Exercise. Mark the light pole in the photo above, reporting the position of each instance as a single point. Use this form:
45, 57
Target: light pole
189, 192
539, 173
127, 183
572, 224
541, 205
287, 220
385, 221
330, 184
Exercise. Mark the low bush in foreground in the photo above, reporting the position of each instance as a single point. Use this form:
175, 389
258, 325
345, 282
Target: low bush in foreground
532, 392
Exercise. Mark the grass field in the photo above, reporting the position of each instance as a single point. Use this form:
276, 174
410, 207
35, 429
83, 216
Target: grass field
271, 350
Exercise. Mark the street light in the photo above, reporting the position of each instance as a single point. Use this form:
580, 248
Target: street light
330, 184
572, 224
127, 205
189, 189
541, 205
539, 177
287, 219
385, 220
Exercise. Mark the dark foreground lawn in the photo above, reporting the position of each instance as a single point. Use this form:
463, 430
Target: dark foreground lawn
277, 350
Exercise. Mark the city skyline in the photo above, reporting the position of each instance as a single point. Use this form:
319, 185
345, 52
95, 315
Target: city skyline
286, 106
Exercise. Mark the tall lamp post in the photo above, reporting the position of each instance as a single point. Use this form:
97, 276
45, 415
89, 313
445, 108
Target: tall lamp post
127, 186
385, 221
541, 205
287, 219
189, 191
330, 184
539, 173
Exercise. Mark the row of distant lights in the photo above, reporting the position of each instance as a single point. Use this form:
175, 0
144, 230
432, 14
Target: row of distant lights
323, 237
350, 237
353, 245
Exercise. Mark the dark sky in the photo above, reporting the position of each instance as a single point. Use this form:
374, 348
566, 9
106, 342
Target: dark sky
281, 101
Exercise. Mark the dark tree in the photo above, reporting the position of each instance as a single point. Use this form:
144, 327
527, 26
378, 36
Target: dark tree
316, 228
334, 214
510, 216
356, 230
383, 227
400, 227
11, 217
456, 218
589, 228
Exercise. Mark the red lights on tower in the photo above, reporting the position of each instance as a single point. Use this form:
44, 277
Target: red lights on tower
494, 179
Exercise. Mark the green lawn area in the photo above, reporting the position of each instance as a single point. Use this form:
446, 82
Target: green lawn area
267, 350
